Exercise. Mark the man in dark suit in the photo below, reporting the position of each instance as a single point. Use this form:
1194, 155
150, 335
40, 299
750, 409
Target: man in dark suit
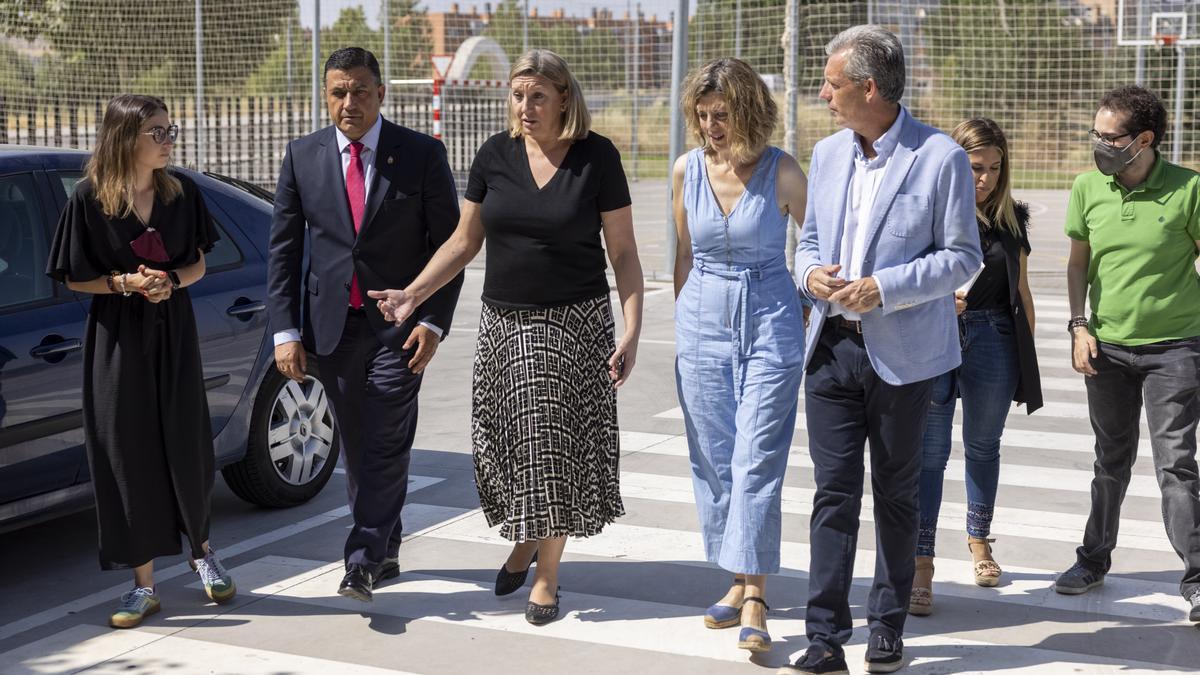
377, 200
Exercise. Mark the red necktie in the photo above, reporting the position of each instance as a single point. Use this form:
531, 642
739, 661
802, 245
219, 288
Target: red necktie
356, 194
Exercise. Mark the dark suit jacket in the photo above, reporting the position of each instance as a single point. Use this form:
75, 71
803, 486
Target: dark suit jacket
412, 208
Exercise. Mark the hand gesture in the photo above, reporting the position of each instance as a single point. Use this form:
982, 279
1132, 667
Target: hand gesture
291, 360
152, 284
858, 296
427, 343
960, 302
396, 306
620, 364
1084, 349
823, 281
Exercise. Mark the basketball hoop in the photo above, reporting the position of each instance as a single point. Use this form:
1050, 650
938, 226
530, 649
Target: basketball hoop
1165, 40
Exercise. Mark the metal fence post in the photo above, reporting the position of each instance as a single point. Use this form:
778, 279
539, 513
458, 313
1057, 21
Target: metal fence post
387, 40
791, 76
637, 85
316, 66
199, 116
1180, 72
678, 70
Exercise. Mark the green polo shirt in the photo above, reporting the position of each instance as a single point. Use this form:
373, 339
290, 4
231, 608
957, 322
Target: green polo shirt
1142, 280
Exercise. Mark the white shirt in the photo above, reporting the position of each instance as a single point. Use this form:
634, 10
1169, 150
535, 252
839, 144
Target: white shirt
860, 198
370, 141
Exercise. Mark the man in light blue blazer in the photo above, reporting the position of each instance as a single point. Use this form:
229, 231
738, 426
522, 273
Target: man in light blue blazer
889, 234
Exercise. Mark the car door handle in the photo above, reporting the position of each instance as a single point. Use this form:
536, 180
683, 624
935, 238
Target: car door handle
246, 308
57, 348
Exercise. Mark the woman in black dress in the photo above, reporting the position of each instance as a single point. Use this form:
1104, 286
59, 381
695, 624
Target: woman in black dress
544, 413
134, 235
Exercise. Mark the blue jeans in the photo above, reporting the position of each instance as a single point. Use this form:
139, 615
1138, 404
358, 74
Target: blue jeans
986, 381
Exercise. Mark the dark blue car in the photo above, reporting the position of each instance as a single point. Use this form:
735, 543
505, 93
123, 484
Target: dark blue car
274, 439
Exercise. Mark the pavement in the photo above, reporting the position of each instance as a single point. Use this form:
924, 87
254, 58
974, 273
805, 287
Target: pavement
633, 596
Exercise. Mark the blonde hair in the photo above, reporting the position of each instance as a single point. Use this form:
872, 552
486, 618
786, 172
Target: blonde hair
999, 209
112, 168
576, 120
752, 109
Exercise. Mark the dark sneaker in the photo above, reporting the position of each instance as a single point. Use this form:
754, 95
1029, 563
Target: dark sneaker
136, 605
885, 654
1078, 580
818, 660
1194, 615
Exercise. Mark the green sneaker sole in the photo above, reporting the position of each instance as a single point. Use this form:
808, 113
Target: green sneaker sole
128, 620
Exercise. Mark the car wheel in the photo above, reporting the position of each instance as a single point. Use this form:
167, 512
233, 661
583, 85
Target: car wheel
292, 449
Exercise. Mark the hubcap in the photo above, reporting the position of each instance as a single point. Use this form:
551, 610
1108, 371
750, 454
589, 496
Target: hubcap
300, 436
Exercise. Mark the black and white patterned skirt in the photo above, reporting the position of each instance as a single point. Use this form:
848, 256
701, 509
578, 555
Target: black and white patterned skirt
544, 421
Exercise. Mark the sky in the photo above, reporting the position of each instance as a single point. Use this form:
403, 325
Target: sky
331, 8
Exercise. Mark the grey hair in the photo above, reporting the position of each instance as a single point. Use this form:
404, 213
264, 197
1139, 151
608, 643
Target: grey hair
874, 53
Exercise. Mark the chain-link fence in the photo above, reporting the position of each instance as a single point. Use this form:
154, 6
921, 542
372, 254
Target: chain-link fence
243, 85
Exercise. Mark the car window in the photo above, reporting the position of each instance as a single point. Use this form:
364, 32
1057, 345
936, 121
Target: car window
22, 244
225, 253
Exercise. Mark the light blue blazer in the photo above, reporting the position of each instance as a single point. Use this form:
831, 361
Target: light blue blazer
922, 244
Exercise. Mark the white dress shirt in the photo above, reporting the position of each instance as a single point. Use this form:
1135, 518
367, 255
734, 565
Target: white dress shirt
860, 198
370, 141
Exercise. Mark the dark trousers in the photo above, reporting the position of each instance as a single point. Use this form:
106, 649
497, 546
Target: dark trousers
374, 399
1166, 376
848, 405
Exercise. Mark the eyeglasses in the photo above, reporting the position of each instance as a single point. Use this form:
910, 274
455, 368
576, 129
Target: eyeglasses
1096, 137
162, 134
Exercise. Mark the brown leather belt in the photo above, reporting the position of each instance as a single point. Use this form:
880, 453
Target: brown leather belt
842, 323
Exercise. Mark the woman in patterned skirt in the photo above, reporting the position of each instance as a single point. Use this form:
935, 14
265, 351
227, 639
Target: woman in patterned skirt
544, 415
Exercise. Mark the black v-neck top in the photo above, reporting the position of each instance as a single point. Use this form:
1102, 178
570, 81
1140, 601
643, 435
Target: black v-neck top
543, 245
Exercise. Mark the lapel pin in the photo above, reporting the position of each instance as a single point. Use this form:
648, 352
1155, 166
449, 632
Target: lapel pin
391, 160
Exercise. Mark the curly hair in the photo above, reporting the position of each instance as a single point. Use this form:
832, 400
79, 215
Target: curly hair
1143, 110
752, 110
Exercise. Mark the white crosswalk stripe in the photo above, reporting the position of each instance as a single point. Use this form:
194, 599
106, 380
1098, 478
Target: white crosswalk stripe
622, 600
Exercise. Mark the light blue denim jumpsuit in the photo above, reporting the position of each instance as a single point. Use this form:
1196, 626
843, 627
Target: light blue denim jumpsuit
739, 341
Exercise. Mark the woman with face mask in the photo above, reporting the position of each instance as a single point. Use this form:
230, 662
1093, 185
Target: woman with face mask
999, 365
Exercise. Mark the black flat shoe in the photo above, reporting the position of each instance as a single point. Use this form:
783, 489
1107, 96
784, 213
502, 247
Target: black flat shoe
357, 584
508, 582
540, 615
389, 568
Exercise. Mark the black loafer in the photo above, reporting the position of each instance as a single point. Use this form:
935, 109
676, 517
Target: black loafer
817, 660
885, 653
540, 615
508, 582
389, 568
357, 583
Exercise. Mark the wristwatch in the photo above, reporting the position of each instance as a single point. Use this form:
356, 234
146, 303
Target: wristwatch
174, 277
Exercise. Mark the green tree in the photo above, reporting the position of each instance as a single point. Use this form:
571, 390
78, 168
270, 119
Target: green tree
712, 34
411, 39
101, 47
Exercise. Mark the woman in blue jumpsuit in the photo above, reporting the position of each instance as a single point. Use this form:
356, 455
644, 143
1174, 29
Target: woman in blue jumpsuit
739, 329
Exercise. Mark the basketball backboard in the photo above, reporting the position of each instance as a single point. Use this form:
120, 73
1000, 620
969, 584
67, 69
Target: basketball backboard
1158, 22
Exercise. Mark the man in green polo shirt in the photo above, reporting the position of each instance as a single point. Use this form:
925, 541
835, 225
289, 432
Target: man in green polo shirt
1134, 226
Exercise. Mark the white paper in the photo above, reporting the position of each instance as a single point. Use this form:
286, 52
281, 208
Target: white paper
965, 288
